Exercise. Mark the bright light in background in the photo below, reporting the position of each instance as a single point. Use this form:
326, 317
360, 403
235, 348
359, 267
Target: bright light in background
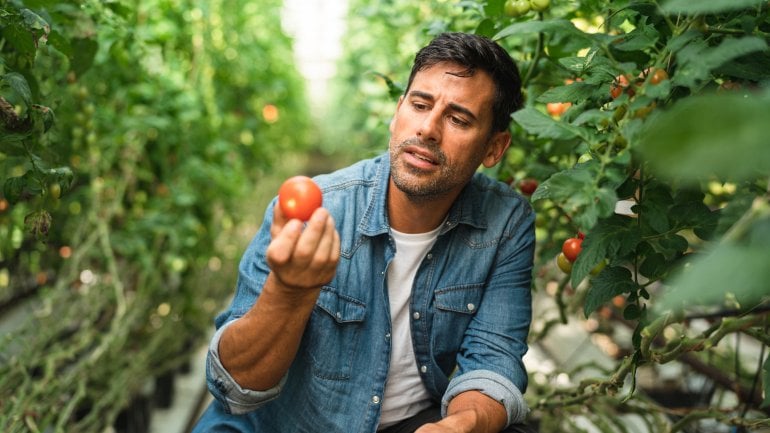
317, 27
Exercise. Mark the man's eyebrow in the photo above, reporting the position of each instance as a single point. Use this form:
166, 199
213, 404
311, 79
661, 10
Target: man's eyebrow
454, 106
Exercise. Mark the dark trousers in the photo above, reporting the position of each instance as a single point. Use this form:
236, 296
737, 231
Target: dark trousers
433, 414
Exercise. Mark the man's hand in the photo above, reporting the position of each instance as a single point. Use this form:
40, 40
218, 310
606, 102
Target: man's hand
303, 258
470, 412
258, 348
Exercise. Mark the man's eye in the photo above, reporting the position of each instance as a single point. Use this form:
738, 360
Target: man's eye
419, 106
458, 121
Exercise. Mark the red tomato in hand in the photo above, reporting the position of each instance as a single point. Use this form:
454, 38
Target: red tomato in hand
299, 197
571, 248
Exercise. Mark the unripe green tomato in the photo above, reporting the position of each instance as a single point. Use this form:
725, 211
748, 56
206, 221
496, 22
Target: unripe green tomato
539, 5
564, 264
516, 8
55, 190
598, 268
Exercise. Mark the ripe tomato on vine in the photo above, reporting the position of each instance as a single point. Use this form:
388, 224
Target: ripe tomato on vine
571, 248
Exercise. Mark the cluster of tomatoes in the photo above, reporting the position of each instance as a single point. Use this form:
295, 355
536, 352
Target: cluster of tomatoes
517, 8
623, 83
570, 250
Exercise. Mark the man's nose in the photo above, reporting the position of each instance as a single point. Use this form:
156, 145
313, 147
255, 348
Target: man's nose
430, 128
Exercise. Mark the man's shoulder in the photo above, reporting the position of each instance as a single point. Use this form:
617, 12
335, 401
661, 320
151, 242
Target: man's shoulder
361, 173
494, 204
488, 191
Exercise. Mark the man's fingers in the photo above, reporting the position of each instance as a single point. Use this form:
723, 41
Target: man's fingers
311, 236
281, 248
325, 254
279, 220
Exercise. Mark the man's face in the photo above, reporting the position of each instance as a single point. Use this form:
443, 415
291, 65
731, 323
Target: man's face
441, 132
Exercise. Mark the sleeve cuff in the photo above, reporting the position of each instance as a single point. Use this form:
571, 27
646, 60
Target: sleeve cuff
492, 385
236, 399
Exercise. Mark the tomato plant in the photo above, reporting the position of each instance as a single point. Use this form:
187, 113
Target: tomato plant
571, 248
299, 197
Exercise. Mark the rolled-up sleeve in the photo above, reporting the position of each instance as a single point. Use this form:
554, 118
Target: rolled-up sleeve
236, 399
492, 385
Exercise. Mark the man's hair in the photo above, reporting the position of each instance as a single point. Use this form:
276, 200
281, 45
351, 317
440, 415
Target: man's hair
476, 52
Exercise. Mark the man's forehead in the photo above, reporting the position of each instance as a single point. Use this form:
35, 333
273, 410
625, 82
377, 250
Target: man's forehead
474, 89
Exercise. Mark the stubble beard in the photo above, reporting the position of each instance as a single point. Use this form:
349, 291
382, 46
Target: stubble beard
416, 184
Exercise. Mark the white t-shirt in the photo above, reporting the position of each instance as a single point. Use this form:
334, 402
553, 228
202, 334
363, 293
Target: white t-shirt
405, 394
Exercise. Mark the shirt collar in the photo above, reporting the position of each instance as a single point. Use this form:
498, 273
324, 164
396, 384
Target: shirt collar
467, 209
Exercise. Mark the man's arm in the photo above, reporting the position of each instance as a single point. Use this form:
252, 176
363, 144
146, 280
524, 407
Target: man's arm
258, 348
470, 412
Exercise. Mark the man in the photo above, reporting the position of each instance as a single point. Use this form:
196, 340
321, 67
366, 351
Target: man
404, 303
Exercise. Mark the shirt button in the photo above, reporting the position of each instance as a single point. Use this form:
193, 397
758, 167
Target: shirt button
376, 399
416, 315
471, 307
387, 336
339, 315
423, 369
429, 256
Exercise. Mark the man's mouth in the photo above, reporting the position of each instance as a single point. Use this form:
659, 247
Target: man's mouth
422, 157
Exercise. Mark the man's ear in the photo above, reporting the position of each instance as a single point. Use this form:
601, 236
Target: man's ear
496, 148
393, 119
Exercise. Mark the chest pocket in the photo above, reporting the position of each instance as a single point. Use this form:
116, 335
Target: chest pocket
332, 335
454, 310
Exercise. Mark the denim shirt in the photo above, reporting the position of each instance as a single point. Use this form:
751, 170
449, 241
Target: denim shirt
470, 310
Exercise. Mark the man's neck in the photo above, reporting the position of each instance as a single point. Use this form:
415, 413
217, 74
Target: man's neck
416, 215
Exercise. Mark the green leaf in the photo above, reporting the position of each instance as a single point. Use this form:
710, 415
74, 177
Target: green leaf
723, 135
494, 8
84, 51
707, 7
60, 43
642, 37
673, 245
697, 59
547, 26
11, 143
23, 187
20, 39
655, 215
486, 27
394, 90
611, 282
575, 92
654, 266
19, 84
37, 25
632, 312
544, 126
740, 271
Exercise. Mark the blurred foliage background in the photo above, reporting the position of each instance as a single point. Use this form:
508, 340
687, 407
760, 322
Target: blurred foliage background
140, 142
